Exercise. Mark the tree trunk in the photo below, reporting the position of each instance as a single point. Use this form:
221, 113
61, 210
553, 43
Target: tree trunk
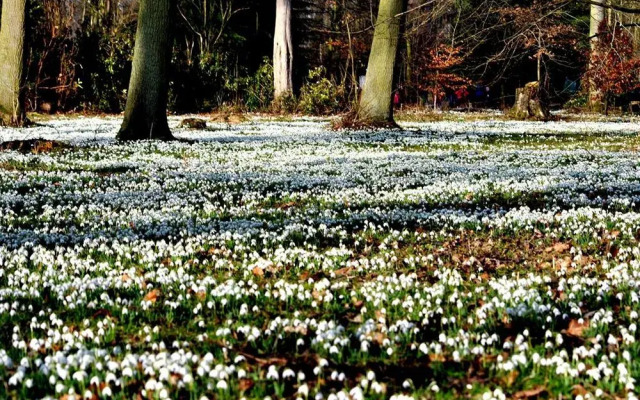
12, 62
531, 103
597, 17
283, 51
376, 105
146, 112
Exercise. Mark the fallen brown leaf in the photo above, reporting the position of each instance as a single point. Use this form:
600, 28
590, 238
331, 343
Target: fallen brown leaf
152, 296
559, 247
578, 390
245, 384
576, 328
343, 271
286, 206
296, 329
511, 377
527, 394
565, 263
378, 338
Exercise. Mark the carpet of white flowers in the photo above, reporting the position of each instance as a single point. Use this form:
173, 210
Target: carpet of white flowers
482, 260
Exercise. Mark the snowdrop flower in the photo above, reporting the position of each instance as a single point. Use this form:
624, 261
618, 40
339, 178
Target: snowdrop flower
377, 387
272, 373
222, 385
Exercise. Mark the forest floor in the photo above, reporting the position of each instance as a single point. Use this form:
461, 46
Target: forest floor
484, 259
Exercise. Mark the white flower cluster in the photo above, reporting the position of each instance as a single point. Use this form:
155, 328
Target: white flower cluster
273, 259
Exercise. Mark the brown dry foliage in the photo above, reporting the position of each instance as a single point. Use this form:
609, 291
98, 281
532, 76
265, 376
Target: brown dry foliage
34, 146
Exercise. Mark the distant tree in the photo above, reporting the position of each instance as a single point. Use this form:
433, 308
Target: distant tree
146, 111
283, 51
434, 72
613, 67
597, 16
12, 61
376, 105
540, 32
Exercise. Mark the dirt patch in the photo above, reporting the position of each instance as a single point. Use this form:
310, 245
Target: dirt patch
34, 146
193, 123
228, 118
499, 253
353, 122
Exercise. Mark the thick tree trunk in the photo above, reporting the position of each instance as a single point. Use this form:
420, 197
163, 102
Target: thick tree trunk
376, 104
146, 112
283, 51
12, 61
598, 15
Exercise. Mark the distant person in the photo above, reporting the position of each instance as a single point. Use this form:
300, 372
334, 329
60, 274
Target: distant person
480, 93
462, 96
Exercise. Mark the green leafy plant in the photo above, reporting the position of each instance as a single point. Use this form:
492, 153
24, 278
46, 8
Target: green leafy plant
259, 88
320, 96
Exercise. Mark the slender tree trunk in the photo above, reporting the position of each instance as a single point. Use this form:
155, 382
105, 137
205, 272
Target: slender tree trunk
283, 50
12, 61
376, 105
146, 112
411, 5
598, 14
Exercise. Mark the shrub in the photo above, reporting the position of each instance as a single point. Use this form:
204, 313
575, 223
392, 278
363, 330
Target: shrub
579, 101
286, 103
320, 96
258, 89
614, 68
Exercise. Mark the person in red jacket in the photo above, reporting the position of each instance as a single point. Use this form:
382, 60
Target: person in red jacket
462, 96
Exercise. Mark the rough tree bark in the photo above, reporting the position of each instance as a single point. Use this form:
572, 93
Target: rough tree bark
376, 106
283, 51
12, 61
531, 103
598, 15
146, 112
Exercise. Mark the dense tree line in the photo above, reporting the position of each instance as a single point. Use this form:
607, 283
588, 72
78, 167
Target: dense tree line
315, 56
